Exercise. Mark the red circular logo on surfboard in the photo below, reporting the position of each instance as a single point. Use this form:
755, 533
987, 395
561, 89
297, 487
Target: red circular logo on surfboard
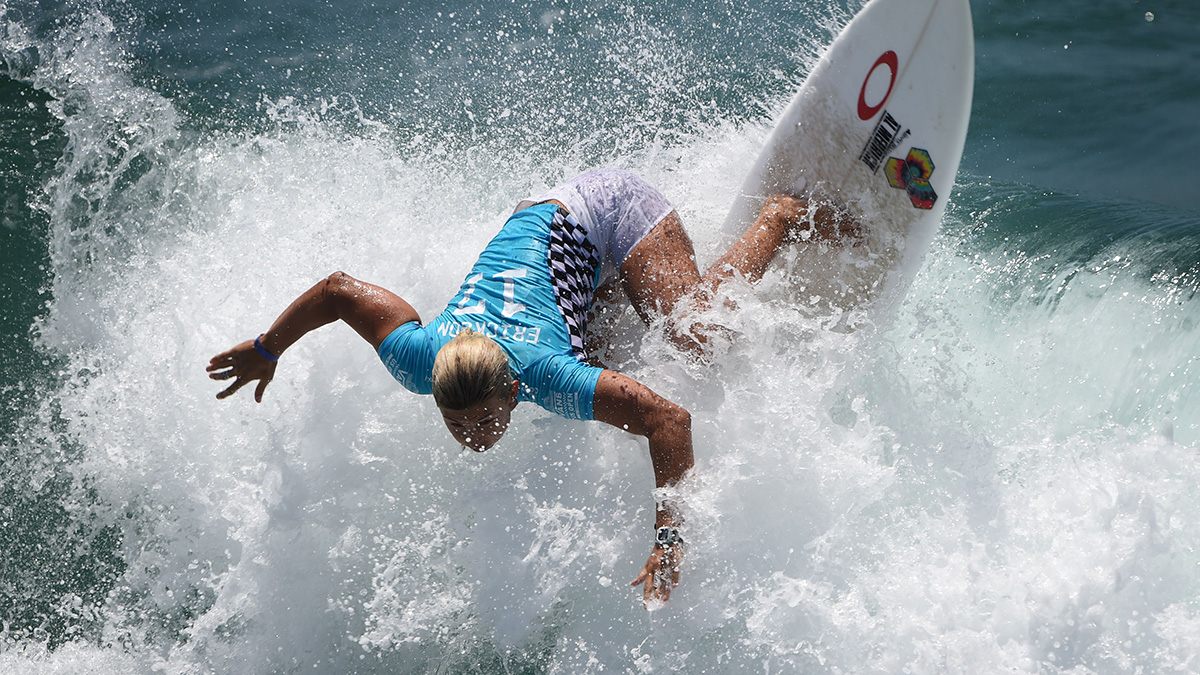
889, 59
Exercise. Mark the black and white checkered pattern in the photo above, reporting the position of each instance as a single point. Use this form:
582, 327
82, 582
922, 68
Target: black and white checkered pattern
573, 261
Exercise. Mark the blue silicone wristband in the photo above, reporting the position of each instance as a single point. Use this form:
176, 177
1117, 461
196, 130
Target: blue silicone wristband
262, 351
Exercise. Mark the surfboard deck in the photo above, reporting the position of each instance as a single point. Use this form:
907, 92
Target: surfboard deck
878, 127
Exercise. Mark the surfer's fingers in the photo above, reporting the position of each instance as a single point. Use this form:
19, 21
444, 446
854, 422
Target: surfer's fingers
232, 389
651, 594
659, 576
658, 588
649, 570
641, 577
262, 386
230, 356
832, 222
850, 228
654, 590
788, 207
663, 591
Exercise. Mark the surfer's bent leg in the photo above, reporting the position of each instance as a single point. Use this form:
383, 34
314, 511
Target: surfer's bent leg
658, 273
635, 228
660, 276
661, 271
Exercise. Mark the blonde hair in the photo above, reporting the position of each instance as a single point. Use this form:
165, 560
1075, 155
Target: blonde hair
469, 370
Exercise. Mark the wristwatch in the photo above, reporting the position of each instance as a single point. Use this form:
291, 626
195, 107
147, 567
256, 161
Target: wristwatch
666, 537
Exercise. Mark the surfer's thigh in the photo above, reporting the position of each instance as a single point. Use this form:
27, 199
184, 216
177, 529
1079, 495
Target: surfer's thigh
660, 269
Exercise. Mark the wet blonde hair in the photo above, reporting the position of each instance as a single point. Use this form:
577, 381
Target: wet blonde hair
469, 370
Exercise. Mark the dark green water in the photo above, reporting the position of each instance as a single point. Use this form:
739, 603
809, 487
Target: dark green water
1005, 480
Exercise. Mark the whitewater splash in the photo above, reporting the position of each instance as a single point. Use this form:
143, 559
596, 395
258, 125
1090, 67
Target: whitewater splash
1003, 479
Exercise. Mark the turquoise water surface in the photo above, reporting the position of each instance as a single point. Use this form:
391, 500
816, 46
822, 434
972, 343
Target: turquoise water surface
1004, 477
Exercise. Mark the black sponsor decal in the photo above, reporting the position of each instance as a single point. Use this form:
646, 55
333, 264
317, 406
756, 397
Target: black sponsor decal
884, 139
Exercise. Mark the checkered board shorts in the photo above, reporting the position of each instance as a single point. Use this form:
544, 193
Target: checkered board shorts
573, 261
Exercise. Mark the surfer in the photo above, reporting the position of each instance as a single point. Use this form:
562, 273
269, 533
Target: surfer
515, 330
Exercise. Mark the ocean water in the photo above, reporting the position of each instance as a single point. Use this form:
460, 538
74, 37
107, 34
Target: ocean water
1002, 477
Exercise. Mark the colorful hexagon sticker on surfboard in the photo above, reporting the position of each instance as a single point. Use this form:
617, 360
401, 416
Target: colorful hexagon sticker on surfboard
911, 174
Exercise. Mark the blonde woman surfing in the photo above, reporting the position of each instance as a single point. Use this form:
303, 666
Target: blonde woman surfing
515, 330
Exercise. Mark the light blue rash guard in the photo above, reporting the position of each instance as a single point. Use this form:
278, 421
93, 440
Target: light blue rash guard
529, 291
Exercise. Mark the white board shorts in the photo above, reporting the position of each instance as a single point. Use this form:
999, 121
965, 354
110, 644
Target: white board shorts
615, 207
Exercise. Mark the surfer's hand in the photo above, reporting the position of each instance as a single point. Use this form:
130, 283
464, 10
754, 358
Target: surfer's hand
660, 575
786, 210
243, 364
807, 220
833, 223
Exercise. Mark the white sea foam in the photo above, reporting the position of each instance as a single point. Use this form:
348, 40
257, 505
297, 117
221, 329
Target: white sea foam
978, 485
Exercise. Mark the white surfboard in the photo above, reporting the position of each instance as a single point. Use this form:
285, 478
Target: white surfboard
879, 127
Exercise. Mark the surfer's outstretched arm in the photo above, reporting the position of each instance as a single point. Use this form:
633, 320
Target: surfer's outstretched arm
630, 405
372, 311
